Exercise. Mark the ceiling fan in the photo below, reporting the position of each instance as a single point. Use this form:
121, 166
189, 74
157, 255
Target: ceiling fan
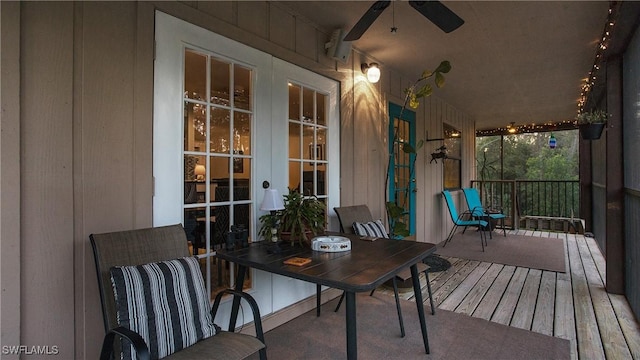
435, 11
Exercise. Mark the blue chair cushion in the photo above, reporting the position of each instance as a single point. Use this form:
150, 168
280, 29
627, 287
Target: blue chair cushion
165, 302
371, 228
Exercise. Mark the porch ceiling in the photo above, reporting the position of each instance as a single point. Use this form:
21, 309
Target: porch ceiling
513, 61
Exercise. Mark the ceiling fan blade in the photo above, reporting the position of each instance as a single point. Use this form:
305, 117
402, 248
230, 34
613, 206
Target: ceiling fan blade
366, 20
439, 14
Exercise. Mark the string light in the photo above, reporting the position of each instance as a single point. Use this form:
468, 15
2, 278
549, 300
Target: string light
590, 81
528, 128
588, 84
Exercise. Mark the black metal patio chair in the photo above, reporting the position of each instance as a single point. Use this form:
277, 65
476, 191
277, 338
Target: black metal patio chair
153, 266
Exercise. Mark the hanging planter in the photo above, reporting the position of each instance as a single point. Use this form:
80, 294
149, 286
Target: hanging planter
592, 123
591, 131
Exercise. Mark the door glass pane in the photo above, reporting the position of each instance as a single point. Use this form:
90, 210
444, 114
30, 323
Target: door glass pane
195, 170
294, 140
219, 175
242, 215
242, 93
321, 111
195, 75
195, 125
294, 102
308, 105
308, 142
220, 79
219, 130
242, 133
321, 140
195, 229
221, 225
294, 175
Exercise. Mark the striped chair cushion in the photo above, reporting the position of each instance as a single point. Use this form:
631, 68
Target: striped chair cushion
165, 302
371, 228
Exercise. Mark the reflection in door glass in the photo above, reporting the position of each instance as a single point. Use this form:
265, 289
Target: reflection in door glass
307, 141
217, 160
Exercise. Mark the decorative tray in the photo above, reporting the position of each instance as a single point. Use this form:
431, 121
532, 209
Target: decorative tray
330, 243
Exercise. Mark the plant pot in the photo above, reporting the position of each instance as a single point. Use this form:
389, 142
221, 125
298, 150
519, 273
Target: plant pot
286, 236
591, 131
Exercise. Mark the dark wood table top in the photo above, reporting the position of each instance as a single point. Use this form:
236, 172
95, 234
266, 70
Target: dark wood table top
366, 266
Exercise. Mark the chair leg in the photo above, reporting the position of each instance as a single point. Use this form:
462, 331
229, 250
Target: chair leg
484, 240
339, 302
318, 298
455, 226
433, 308
395, 291
372, 291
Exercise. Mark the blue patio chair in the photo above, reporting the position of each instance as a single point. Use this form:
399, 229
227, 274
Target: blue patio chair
459, 220
479, 211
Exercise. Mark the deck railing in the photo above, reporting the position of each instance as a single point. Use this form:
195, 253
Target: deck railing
533, 198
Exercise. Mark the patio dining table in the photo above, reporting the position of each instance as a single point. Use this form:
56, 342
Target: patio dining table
366, 266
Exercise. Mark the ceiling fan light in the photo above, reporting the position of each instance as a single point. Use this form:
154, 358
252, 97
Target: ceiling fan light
372, 71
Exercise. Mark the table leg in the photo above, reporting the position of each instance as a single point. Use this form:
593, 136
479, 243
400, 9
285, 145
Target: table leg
418, 294
352, 340
235, 306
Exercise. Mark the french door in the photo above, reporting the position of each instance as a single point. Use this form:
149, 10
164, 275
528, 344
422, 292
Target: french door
223, 115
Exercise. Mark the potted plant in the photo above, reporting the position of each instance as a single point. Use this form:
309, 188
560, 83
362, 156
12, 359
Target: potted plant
301, 219
591, 123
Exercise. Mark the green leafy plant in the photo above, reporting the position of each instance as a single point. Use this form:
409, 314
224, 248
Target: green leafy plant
419, 89
300, 217
596, 116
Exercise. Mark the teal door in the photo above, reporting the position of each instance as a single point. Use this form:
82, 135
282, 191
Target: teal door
401, 173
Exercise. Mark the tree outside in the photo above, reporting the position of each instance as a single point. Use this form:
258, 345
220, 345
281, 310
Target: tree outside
528, 157
542, 172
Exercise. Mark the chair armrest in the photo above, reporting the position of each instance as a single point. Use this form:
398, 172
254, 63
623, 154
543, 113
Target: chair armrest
465, 213
133, 337
478, 211
252, 303
471, 217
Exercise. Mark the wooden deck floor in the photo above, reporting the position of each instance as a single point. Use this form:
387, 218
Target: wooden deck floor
573, 305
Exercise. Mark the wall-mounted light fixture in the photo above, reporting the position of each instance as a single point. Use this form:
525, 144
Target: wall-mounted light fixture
372, 71
512, 128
